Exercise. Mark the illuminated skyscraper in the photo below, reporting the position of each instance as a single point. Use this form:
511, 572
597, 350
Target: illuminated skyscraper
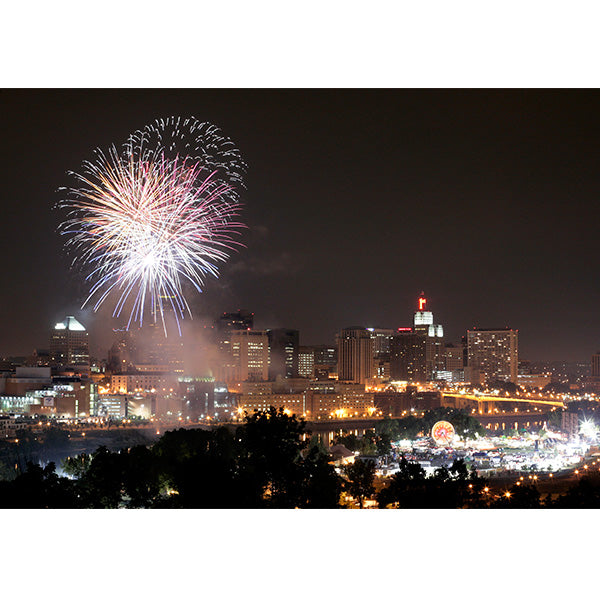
434, 338
283, 352
493, 354
381, 340
306, 361
69, 345
407, 356
355, 355
243, 356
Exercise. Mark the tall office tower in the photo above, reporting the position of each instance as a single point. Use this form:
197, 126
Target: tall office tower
408, 351
283, 352
493, 354
355, 355
325, 361
154, 349
381, 351
595, 365
453, 358
235, 321
69, 345
434, 334
381, 340
243, 356
306, 361
325, 356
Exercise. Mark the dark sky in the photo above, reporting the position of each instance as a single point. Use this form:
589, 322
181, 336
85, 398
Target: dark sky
357, 200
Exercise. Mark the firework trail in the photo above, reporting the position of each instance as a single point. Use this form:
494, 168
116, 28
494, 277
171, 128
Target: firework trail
202, 143
159, 214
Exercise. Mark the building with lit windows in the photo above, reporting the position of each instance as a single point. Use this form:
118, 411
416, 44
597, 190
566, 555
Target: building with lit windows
381, 340
453, 358
69, 345
434, 338
355, 355
313, 404
112, 407
493, 354
381, 352
235, 321
142, 381
290, 403
306, 361
417, 352
243, 356
283, 353
592, 383
407, 356
325, 356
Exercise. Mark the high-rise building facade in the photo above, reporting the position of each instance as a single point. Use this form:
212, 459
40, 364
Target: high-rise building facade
408, 351
283, 352
235, 321
381, 340
306, 361
453, 358
355, 355
381, 352
493, 354
595, 372
69, 344
325, 356
434, 338
243, 356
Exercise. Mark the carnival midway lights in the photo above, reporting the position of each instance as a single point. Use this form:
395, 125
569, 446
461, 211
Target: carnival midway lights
542, 452
153, 216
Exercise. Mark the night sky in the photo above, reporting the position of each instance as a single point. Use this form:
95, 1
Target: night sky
356, 201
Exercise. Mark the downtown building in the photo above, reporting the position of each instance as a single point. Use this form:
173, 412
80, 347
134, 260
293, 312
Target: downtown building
407, 356
592, 383
306, 361
319, 400
243, 356
355, 355
241, 320
417, 353
492, 354
381, 352
283, 353
318, 362
69, 346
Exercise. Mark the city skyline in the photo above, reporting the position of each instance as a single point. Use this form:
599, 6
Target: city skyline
356, 201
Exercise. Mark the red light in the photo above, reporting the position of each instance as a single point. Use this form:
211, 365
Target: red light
422, 303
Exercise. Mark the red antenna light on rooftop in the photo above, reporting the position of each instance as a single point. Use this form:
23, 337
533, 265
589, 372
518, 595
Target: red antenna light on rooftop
422, 301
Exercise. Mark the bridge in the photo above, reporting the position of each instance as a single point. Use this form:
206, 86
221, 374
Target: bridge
484, 401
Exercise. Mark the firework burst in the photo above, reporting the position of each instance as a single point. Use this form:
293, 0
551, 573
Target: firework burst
148, 219
202, 143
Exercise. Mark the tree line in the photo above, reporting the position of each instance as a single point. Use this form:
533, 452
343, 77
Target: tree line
267, 462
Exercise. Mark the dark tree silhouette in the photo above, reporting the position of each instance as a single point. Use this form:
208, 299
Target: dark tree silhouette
359, 479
